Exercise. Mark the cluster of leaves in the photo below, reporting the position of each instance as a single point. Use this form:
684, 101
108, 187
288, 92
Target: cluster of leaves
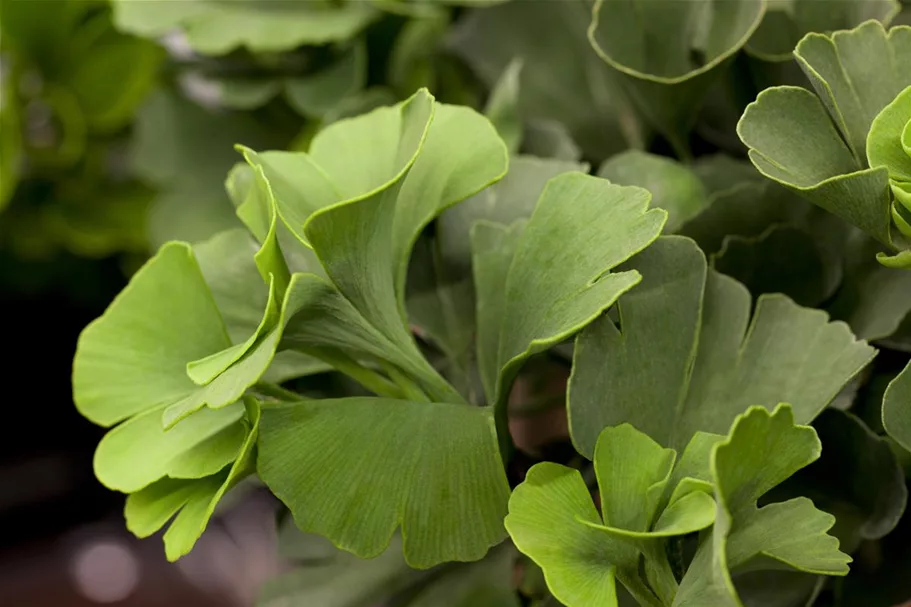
413, 283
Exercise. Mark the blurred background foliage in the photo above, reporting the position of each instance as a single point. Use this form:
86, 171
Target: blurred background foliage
118, 121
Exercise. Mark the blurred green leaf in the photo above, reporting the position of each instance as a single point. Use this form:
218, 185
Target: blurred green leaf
215, 27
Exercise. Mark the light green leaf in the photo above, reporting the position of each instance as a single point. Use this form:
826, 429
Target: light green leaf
762, 450
139, 451
563, 80
190, 502
559, 279
431, 468
216, 27
503, 106
674, 187
133, 358
897, 408
687, 358
885, 143
667, 53
552, 519
785, 22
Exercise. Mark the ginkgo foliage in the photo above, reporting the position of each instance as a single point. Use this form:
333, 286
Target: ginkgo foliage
417, 285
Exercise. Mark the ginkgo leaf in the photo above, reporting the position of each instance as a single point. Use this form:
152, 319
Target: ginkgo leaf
762, 449
686, 357
213, 27
785, 23
139, 451
667, 53
897, 408
512, 198
583, 552
674, 187
563, 82
431, 468
190, 503
816, 146
858, 479
503, 107
133, 358
558, 279
793, 141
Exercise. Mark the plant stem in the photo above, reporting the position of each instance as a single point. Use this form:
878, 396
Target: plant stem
368, 378
411, 390
276, 391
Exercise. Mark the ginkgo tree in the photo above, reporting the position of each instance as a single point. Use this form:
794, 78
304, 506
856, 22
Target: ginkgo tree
724, 337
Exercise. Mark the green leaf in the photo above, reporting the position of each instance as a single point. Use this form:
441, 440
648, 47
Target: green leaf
783, 259
344, 581
109, 103
816, 145
674, 187
191, 503
10, 143
885, 145
897, 408
872, 299
559, 278
686, 356
412, 161
792, 141
215, 27
785, 23
563, 80
552, 519
139, 451
431, 468
133, 358
762, 450
858, 479
185, 152
319, 94
503, 106
667, 53
510, 199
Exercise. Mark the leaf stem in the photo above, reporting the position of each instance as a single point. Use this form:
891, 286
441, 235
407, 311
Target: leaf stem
276, 391
411, 390
368, 378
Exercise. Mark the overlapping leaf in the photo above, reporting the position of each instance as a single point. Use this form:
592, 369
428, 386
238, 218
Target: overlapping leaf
190, 503
583, 552
431, 468
562, 81
540, 283
762, 450
816, 145
666, 53
686, 356
412, 162
785, 23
